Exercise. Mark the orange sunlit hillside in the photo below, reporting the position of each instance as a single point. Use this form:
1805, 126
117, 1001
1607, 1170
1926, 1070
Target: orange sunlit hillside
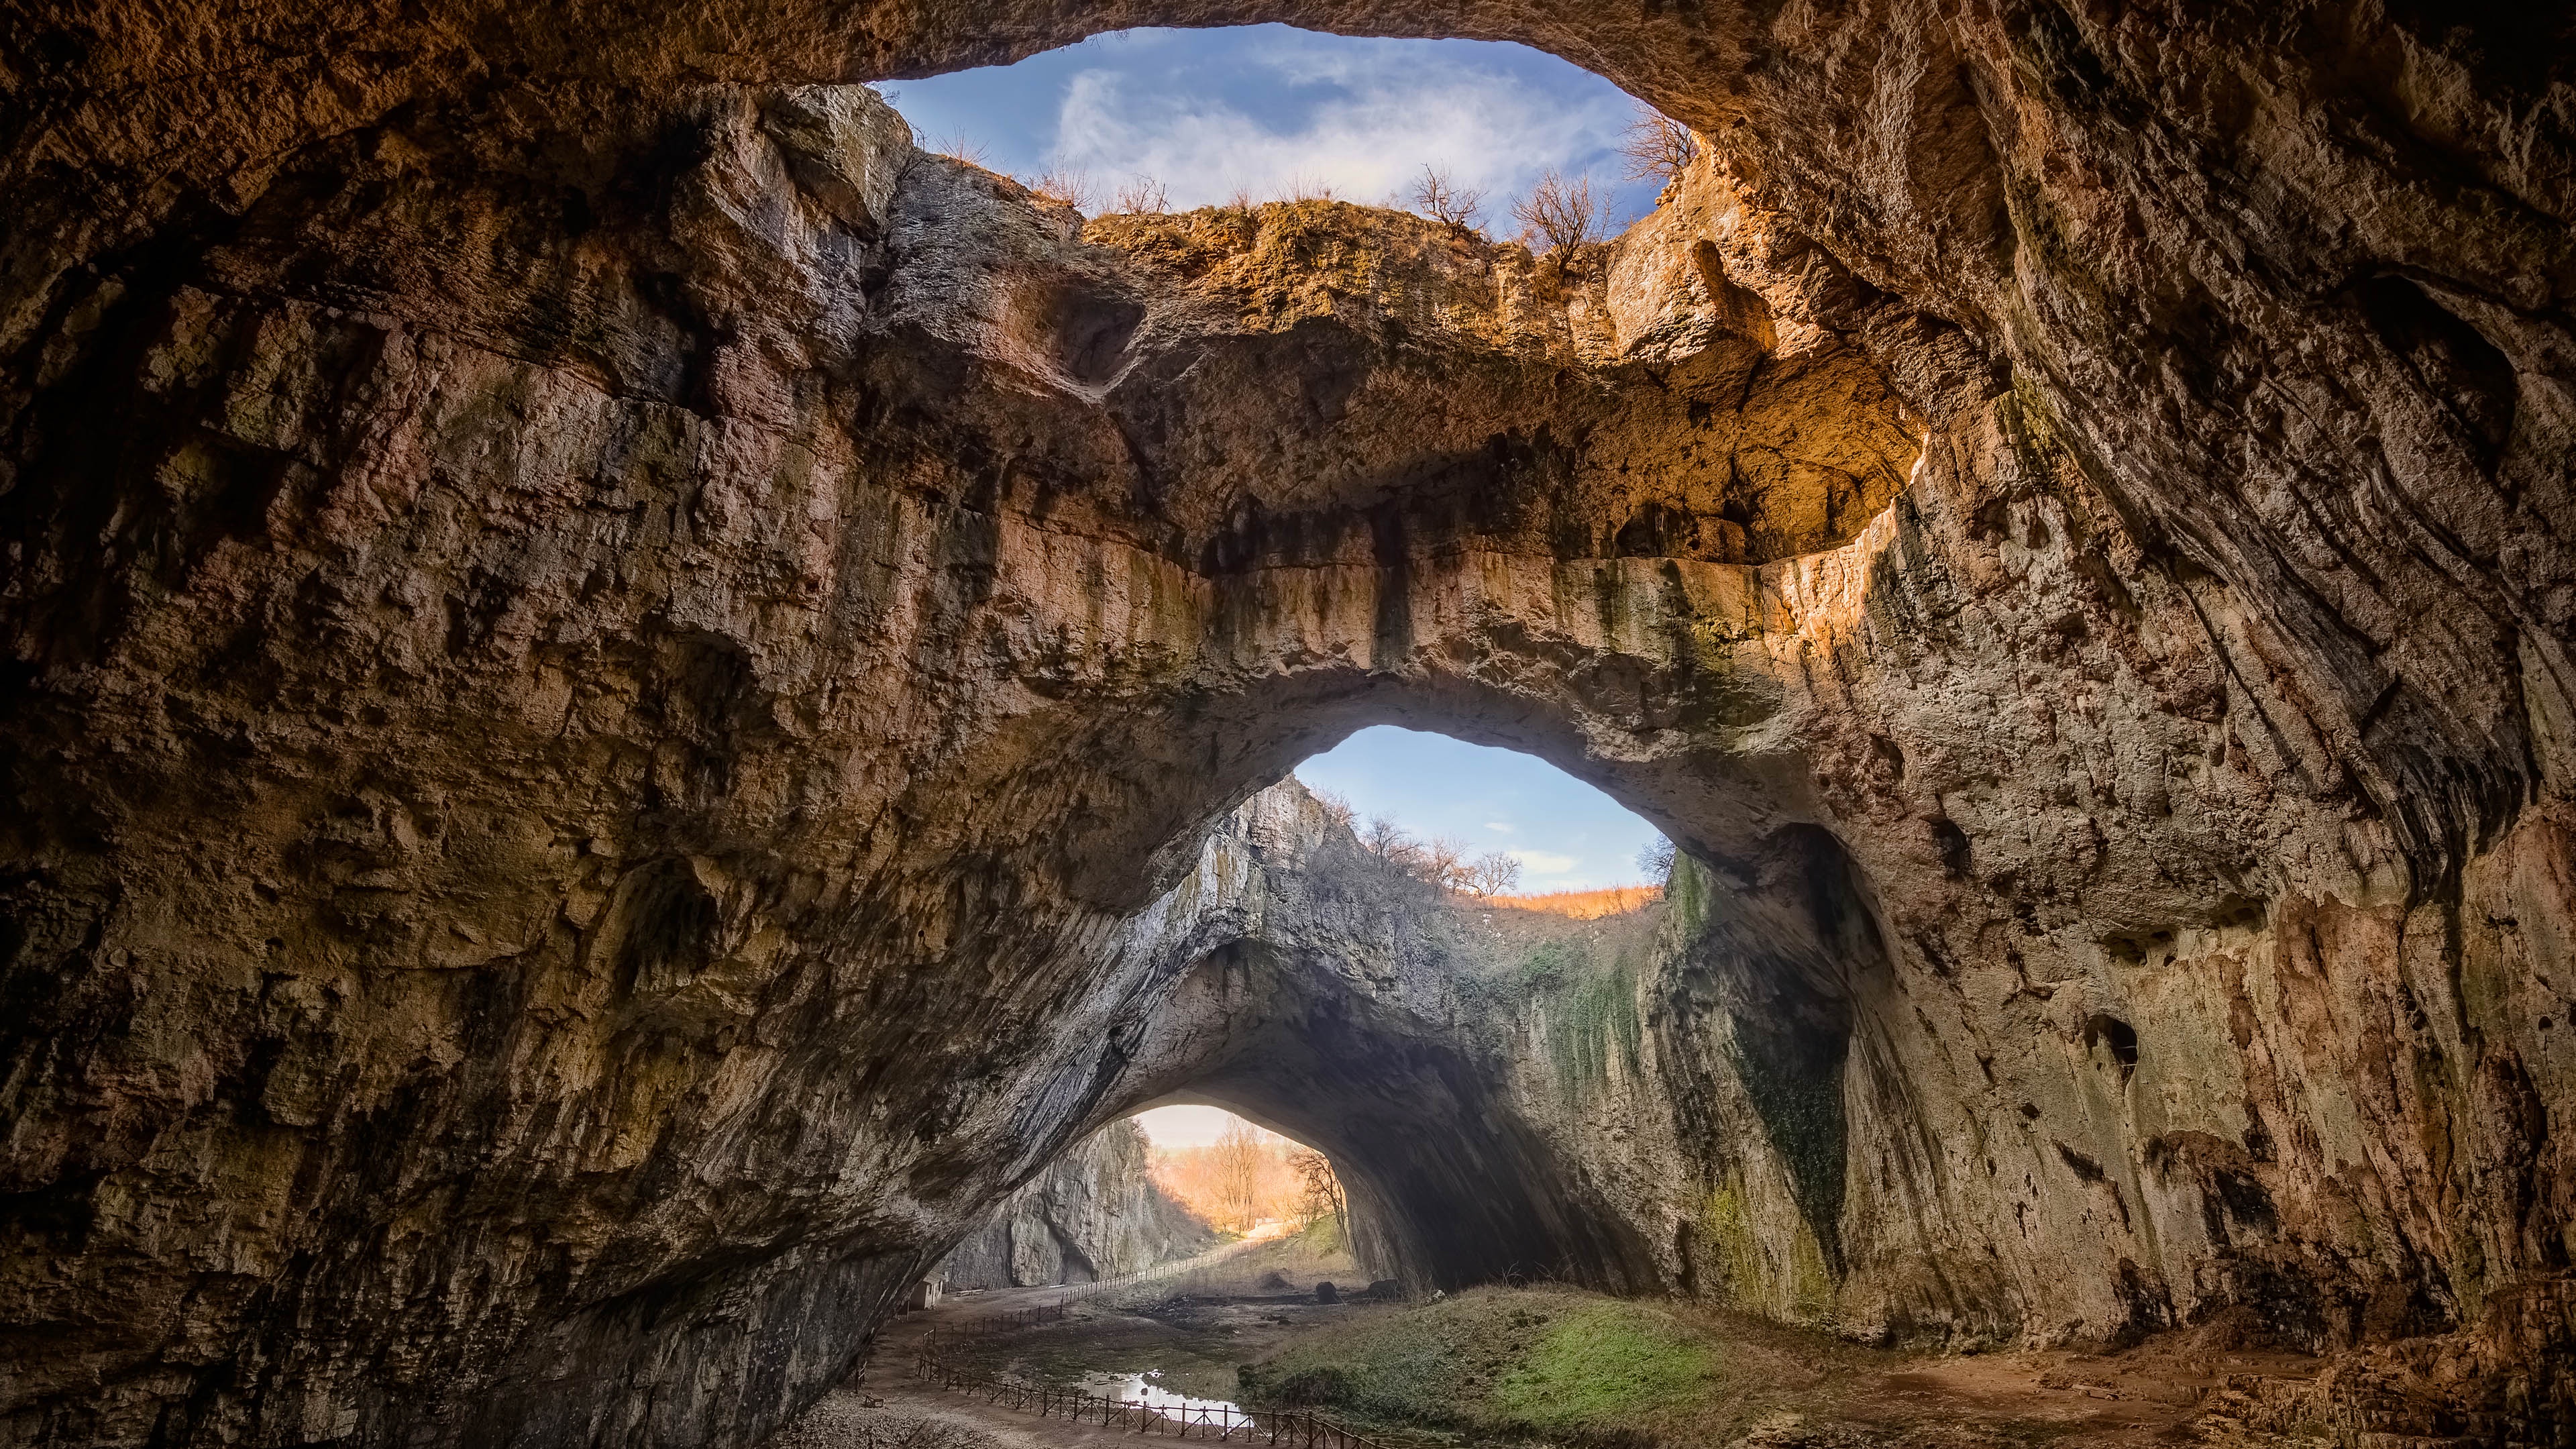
1246, 1177
1584, 905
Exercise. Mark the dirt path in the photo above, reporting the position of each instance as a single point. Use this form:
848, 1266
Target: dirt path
884, 1404
1821, 1393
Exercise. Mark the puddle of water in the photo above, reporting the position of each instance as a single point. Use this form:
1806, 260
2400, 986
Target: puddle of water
1136, 1389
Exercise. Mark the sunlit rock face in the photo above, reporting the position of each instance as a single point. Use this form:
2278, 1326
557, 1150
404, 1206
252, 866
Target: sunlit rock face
1093, 1214
618, 688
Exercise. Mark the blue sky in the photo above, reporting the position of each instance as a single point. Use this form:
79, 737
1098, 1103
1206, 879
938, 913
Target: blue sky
1565, 834
1269, 110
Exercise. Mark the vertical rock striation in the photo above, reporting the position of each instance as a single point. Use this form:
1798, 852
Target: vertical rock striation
1093, 1214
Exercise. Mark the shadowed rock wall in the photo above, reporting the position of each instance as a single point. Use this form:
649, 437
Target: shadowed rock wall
617, 682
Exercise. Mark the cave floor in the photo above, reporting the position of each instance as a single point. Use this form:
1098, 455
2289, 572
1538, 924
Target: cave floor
1787, 1387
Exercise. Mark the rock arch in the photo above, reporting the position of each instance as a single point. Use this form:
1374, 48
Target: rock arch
721, 553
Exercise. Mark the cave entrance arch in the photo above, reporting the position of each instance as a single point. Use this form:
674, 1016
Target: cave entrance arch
1510, 552
1355, 1006
1463, 591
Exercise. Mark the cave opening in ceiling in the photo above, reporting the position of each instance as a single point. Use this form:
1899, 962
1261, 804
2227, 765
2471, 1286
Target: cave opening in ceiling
625, 694
1155, 119
1487, 822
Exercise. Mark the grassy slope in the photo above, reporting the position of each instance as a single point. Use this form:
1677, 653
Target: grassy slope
1497, 1361
1317, 1253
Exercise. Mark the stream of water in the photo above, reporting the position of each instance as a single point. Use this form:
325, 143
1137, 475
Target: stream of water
1136, 1389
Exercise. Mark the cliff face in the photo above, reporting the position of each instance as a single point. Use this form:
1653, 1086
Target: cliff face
1093, 1214
623, 694
1733, 1094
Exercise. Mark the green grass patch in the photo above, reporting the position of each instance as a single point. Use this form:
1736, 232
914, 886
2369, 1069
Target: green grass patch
1610, 1360
1497, 1361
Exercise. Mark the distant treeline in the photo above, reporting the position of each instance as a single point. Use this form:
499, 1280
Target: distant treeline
1585, 905
1248, 1176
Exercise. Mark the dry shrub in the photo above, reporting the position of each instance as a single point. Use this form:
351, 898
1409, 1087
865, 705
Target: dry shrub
1072, 187
1561, 212
1142, 196
958, 146
1656, 147
1443, 200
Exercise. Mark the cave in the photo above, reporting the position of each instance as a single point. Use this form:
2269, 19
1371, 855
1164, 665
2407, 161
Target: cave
628, 700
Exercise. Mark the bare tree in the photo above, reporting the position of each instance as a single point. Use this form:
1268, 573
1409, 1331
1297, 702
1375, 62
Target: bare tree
1142, 195
1444, 863
1443, 200
1322, 1189
1391, 843
1656, 147
1560, 212
1656, 860
1491, 874
1238, 1180
1337, 809
1238, 1172
1073, 187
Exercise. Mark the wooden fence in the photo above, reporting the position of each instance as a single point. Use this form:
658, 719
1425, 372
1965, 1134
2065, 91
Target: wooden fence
1298, 1427
1056, 1312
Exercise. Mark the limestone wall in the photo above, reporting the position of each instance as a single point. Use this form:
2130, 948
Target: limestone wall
1093, 1214
624, 698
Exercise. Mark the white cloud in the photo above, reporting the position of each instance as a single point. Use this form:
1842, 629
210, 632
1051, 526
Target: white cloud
1190, 1126
1500, 827
1543, 862
1395, 114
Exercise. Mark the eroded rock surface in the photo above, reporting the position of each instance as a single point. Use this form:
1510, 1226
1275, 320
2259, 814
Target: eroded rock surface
1093, 1214
618, 687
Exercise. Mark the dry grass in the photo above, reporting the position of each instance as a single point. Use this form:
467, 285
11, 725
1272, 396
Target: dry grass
1240, 1267
1584, 905
1070, 186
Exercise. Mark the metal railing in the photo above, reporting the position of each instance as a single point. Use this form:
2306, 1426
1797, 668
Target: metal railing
1299, 1427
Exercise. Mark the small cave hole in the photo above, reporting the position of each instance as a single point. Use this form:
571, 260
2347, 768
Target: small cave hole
1092, 330
662, 928
2238, 913
2118, 1038
2468, 376
2139, 948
